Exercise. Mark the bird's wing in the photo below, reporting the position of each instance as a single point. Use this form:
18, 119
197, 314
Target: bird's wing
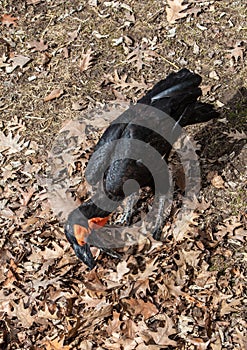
101, 158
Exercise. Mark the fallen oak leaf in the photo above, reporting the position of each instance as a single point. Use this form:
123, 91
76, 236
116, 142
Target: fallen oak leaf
227, 308
206, 89
93, 283
161, 337
17, 61
56, 93
149, 270
237, 135
8, 20
79, 105
175, 10
36, 45
194, 11
26, 195
141, 286
12, 144
199, 343
56, 344
124, 83
86, 60
61, 202
139, 55
122, 269
140, 307
23, 314
184, 225
39, 256
46, 314
114, 324
129, 329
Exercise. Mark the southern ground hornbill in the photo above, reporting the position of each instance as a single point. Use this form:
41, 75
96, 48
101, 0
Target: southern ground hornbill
176, 97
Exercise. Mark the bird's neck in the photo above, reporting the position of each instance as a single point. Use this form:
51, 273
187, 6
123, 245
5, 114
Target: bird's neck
92, 210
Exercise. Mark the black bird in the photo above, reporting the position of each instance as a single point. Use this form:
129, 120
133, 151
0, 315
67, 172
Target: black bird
175, 96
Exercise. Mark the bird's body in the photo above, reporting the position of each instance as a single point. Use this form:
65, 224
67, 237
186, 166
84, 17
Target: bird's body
174, 102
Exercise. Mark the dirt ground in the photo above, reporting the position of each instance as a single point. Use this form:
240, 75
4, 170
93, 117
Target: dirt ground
58, 61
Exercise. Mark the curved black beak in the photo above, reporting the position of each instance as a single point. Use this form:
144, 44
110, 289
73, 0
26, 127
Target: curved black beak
84, 253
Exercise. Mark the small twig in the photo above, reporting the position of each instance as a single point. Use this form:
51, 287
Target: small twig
155, 15
46, 28
29, 117
167, 61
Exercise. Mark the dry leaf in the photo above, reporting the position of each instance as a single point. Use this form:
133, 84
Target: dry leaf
12, 144
174, 10
86, 60
151, 266
17, 61
206, 89
79, 106
45, 58
213, 75
236, 135
56, 344
141, 286
237, 53
130, 329
217, 181
46, 314
36, 45
56, 93
161, 337
114, 324
199, 343
140, 307
184, 225
8, 20
75, 128
26, 195
227, 308
93, 282
39, 255
124, 83
139, 55
122, 269
23, 314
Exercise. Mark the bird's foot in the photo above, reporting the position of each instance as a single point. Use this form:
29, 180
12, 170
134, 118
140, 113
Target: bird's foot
126, 218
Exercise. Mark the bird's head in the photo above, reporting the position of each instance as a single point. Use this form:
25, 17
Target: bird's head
77, 229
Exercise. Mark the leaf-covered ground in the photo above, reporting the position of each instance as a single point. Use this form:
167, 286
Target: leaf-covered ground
59, 59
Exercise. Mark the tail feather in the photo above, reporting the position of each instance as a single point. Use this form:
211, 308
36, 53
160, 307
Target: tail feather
174, 85
199, 113
177, 96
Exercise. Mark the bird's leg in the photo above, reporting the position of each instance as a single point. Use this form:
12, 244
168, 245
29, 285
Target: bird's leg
157, 230
128, 210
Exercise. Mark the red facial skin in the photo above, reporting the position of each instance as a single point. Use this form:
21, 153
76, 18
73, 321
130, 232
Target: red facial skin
81, 233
